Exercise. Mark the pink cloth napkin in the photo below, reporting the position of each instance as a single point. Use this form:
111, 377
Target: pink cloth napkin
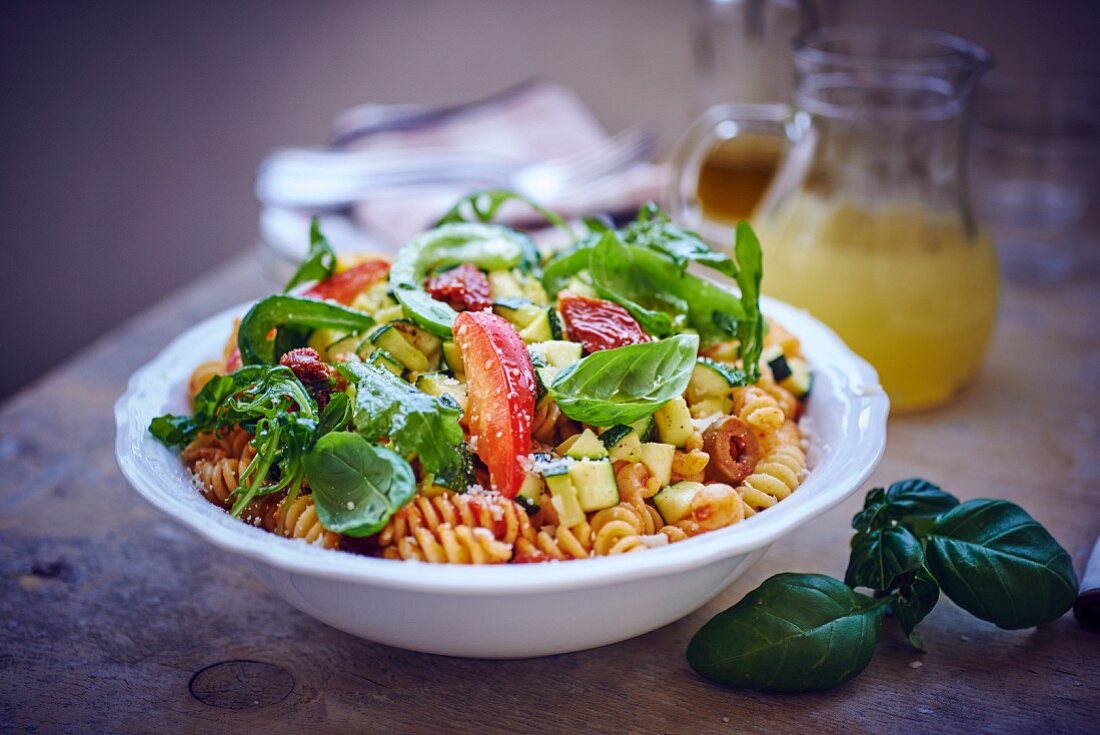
530, 122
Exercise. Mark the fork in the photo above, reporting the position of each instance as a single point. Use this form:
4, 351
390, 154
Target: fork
333, 179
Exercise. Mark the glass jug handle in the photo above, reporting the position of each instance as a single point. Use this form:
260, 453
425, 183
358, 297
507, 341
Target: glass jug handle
715, 126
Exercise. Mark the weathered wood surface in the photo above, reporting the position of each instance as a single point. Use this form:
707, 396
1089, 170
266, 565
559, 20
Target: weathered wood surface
114, 619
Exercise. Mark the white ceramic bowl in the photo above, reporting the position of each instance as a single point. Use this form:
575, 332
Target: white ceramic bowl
516, 610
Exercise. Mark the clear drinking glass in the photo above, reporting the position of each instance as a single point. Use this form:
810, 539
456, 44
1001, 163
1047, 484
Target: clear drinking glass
867, 222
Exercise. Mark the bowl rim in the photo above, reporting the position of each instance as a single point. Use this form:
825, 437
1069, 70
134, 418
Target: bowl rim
856, 389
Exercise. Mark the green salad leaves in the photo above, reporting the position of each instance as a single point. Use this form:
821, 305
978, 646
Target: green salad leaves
290, 318
805, 632
320, 260
625, 384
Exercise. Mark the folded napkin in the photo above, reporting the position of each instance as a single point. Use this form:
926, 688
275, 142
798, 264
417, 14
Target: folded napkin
534, 121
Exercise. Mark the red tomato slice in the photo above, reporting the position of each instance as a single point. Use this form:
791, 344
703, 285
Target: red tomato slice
598, 324
501, 389
344, 287
464, 288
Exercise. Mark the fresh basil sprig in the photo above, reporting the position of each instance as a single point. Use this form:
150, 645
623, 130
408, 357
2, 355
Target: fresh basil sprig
810, 632
625, 384
357, 487
415, 423
320, 260
290, 318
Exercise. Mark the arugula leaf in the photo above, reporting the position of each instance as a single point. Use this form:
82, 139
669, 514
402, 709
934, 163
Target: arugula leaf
881, 557
284, 311
793, 633
357, 487
490, 247
336, 416
320, 261
625, 384
482, 206
917, 595
997, 563
386, 407
653, 229
750, 271
907, 501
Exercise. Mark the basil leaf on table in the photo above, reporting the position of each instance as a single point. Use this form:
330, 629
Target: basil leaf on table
320, 260
999, 564
793, 633
917, 595
385, 406
906, 501
625, 384
482, 206
882, 556
490, 247
295, 312
357, 487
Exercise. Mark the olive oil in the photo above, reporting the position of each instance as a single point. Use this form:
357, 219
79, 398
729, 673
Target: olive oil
734, 176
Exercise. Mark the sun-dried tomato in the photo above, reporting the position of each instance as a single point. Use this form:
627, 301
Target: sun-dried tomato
465, 288
598, 324
318, 377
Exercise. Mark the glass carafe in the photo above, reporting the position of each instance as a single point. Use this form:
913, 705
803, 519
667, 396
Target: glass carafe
867, 222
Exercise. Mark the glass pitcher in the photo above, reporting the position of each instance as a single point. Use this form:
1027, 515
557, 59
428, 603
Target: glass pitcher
867, 221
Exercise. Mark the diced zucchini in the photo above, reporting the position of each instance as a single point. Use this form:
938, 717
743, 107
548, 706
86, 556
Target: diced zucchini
389, 337
563, 494
713, 380
539, 330
389, 314
595, 483
674, 501
556, 352
518, 311
775, 359
555, 322
345, 346
658, 460
380, 357
547, 374
453, 357
322, 338
437, 384
581, 288
532, 288
423, 340
674, 422
532, 488
711, 407
503, 285
801, 380
587, 446
623, 444
644, 427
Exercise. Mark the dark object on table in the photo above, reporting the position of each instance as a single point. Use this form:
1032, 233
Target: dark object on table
1087, 608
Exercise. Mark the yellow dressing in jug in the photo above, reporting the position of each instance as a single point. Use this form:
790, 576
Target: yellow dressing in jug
904, 286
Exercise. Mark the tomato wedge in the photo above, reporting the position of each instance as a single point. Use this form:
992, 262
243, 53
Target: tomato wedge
464, 288
501, 388
598, 324
344, 287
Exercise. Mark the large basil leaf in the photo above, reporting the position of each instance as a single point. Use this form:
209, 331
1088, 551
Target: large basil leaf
625, 384
999, 564
794, 633
386, 407
357, 487
917, 595
491, 247
320, 261
285, 311
907, 501
881, 556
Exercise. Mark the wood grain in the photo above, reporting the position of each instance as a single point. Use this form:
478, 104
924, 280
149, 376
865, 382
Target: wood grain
116, 620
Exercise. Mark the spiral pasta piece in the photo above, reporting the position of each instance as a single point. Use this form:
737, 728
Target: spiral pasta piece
503, 518
619, 529
715, 506
757, 408
217, 463
776, 477
299, 521
562, 542
447, 544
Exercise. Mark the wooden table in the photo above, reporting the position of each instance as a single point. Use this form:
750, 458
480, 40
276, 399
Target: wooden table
114, 619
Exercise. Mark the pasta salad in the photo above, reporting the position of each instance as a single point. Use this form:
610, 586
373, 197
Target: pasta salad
476, 400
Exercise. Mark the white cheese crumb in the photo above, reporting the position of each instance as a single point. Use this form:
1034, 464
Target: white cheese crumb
351, 505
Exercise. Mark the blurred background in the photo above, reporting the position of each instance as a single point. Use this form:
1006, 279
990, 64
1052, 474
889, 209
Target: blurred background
132, 131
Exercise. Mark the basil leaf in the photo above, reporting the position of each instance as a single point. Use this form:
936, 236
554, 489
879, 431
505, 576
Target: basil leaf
486, 246
907, 501
793, 633
916, 598
997, 563
567, 264
750, 271
357, 487
283, 310
625, 384
653, 229
482, 206
336, 416
386, 407
320, 261
880, 557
